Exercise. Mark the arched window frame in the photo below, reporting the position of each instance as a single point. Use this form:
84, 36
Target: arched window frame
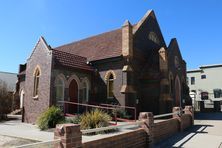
76, 78
37, 74
171, 82
59, 84
177, 85
109, 78
22, 95
85, 92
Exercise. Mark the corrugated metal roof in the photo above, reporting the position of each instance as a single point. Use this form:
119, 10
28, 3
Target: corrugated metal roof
9, 78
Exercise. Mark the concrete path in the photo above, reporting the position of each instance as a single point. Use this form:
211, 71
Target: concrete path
206, 133
15, 128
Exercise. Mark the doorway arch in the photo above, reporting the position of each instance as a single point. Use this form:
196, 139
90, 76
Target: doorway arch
73, 95
177, 91
22, 95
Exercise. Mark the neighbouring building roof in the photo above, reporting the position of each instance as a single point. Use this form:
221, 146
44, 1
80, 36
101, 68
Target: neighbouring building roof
211, 66
194, 70
70, 60
102, 46
204, 67
9, 79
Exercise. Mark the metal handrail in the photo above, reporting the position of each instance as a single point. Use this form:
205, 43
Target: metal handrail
110, 127
165, 115
89, 105
118, 106
39, 143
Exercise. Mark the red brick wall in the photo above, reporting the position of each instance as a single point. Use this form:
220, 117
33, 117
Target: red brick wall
149, 133
165, 129
115, 65
136, 139
42, 57
186, 121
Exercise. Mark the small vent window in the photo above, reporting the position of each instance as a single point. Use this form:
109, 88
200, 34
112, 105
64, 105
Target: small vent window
203, 77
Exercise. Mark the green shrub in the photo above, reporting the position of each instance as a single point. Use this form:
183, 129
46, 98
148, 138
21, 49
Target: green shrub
94, 119
50, 117
74, 120
121, 113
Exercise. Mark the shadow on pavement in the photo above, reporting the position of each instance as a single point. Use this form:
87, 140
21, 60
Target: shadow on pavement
178, 140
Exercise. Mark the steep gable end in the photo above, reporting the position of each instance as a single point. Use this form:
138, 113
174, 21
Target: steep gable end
173, 49
147, 33
148, 14
40, 45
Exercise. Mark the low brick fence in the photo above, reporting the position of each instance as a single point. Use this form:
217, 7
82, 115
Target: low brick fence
145, 136
136, 139
169, 127
165, 129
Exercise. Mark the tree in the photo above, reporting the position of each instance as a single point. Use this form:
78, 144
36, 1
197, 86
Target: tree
5, 100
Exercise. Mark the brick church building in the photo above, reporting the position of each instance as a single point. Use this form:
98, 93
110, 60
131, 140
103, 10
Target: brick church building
129, 66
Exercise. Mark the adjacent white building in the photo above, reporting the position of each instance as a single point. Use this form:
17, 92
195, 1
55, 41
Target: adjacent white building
205, 83
8, 79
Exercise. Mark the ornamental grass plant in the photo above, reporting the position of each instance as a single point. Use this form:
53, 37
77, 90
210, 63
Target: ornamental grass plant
96, 118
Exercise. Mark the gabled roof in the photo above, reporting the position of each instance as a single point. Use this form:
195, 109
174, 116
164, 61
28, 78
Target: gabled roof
148, 14
44, 43
70, 60
106, 45
174, 45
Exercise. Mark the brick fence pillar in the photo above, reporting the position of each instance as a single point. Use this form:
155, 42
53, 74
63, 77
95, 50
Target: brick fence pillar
70, 135
147, 118
190, 111
178, 116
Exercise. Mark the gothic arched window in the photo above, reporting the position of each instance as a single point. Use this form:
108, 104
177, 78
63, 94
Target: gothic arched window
36, 82
84, 93
110, 86
59, 88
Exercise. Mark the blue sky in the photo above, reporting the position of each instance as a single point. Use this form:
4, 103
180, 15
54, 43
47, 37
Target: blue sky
197, 25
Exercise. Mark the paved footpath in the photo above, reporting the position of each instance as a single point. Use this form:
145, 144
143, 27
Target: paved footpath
206, 133
15, 128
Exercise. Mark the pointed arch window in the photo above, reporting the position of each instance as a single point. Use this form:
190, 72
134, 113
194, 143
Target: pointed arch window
59, 89
110, 86
36, 82
84, 92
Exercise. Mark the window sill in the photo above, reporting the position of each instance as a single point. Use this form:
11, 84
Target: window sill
35, 97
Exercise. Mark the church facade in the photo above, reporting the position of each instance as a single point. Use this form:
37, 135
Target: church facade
129, 66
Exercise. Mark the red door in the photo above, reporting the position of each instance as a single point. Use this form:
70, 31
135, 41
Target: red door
73, 95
